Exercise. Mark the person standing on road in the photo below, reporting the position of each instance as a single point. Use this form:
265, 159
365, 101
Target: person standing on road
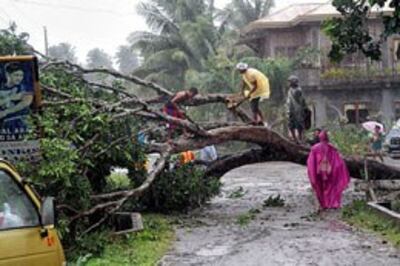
295, 108
255, 86
376, 143
328, 173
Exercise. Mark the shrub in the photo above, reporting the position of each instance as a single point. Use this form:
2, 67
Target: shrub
180, 189
350, 140
118, 181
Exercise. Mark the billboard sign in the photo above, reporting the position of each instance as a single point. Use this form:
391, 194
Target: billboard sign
19, 97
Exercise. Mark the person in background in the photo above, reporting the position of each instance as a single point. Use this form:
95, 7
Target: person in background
171, 108
255, 86
328, 173
315, 138
295, 108
376, 143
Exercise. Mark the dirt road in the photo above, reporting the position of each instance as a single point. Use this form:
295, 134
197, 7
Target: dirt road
240, 231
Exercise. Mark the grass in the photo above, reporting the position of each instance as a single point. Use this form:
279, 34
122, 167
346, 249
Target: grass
245, 218
359, 215
237, 193
143, 248
274, 201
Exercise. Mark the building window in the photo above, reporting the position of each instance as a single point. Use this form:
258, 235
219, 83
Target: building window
16, 209
291, 51
397, 110
315, 38
396, 50
286, 51
313, 114
356, 113
280, 51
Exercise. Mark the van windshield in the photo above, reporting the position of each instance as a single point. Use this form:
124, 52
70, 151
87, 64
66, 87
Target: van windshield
16, 209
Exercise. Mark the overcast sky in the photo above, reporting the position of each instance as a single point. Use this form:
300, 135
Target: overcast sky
85, 24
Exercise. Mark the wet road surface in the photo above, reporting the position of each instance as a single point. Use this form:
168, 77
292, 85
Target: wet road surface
240, 231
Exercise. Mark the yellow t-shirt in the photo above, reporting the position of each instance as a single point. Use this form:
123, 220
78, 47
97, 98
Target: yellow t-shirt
252, 76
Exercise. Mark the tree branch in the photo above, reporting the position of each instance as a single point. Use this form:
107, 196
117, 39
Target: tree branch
125, 195
159, 89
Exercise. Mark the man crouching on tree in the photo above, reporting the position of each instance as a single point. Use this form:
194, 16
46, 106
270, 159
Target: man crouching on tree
255, 86
171, 108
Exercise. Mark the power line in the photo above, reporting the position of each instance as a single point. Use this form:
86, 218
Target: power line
52, 5
34, 21
76, 8
23, 16
38, 26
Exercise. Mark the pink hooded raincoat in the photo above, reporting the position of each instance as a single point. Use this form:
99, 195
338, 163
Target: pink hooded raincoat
327, 172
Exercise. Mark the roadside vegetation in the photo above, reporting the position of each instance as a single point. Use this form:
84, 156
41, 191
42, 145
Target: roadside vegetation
358, 214
144, 248
245, 219
350, 140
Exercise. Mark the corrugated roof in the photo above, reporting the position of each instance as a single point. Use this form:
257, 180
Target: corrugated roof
290, 13
297, 13
324, 9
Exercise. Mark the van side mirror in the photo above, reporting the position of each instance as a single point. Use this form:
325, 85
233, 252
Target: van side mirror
47, 211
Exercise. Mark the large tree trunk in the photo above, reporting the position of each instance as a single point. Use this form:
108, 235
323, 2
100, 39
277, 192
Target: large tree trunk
376, 170
273, 147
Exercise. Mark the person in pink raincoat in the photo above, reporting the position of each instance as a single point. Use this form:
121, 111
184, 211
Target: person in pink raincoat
328, 173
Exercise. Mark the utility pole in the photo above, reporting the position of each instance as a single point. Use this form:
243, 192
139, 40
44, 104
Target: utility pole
46, 41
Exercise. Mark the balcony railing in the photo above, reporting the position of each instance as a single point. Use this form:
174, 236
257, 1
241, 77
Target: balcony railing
360, 74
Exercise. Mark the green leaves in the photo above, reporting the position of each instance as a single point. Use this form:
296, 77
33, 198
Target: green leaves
80, 144
12, 42
241, 12
183, 188
351, 33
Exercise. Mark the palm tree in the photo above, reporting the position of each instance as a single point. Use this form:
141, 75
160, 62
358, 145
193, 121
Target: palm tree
239, 13
182, 36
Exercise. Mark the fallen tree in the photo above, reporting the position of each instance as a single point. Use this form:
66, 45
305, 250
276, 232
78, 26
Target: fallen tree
119, 105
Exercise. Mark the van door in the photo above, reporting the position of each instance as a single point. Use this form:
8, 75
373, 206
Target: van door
21, 242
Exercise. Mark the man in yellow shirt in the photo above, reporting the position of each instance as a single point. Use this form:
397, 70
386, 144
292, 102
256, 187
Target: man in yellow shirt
255, 86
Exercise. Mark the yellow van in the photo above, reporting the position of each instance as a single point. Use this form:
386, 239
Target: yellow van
27, 233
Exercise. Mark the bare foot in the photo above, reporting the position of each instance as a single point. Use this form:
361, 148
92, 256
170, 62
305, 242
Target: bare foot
320, 212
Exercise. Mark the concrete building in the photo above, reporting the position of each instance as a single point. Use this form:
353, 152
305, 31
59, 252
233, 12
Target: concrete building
357, 88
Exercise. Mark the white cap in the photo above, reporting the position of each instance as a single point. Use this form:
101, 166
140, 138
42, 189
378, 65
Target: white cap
242, 66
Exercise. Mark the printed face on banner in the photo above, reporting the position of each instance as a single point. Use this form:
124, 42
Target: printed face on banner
17, 90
